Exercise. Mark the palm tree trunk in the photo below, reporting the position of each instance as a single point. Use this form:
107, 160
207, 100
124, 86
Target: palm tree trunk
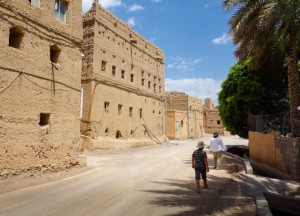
293, 86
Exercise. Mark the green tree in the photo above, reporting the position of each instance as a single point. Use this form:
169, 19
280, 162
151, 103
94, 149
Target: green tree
244, 92
259, 28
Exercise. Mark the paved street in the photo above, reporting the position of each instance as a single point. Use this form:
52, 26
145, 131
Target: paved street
155, 180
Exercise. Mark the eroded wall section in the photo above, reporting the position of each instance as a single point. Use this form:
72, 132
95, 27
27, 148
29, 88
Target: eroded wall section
40, 68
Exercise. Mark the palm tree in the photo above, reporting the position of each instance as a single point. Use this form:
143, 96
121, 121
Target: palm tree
262, 27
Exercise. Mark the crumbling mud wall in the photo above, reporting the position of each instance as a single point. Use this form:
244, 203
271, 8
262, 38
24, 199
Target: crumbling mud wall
123, 84
40, 73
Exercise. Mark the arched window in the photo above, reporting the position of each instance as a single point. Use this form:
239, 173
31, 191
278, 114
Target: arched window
118, 134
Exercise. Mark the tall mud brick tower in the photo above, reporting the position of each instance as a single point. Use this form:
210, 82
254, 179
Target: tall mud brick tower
40, 84
123, 84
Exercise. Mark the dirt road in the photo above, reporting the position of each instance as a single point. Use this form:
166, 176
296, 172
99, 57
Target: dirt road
147, 181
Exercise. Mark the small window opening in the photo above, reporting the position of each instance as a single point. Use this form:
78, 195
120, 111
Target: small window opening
130, 111
54, 53
181, 123
35, 2
44, 119
103, 65
142, 73
159, 112
218, 122
106, 130
113, 69
141, 113
118, 134
153, 111
131, 77
143, 82
123, 74
131, 132
15, 37
120, 108
60, 10
106, 106
159, 89
149, 84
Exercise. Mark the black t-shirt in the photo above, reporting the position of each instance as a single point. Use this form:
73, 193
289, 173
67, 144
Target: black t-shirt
199, 156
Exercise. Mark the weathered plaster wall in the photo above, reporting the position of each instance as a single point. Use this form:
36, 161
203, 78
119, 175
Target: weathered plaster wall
179, 101
177, 124
195, 117
212, 120
29, 86
120, 68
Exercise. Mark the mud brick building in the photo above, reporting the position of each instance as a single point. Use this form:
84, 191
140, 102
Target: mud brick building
40, 79
211, 118
123, 84
184, 116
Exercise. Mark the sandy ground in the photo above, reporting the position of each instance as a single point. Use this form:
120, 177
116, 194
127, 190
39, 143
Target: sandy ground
155, 180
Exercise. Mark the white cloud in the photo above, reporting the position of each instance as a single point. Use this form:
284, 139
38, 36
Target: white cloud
171, 66
86, 5
196, 87
182, 64
135, 7
156, 1
110, 3
131, 22
225, 38
152, 39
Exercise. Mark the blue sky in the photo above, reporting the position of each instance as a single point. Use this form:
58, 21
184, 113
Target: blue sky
193, 35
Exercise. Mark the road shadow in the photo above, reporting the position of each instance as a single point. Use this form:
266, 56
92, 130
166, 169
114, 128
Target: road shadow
232, 194
219, 199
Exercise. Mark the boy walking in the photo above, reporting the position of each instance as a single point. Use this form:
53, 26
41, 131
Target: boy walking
200, 164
